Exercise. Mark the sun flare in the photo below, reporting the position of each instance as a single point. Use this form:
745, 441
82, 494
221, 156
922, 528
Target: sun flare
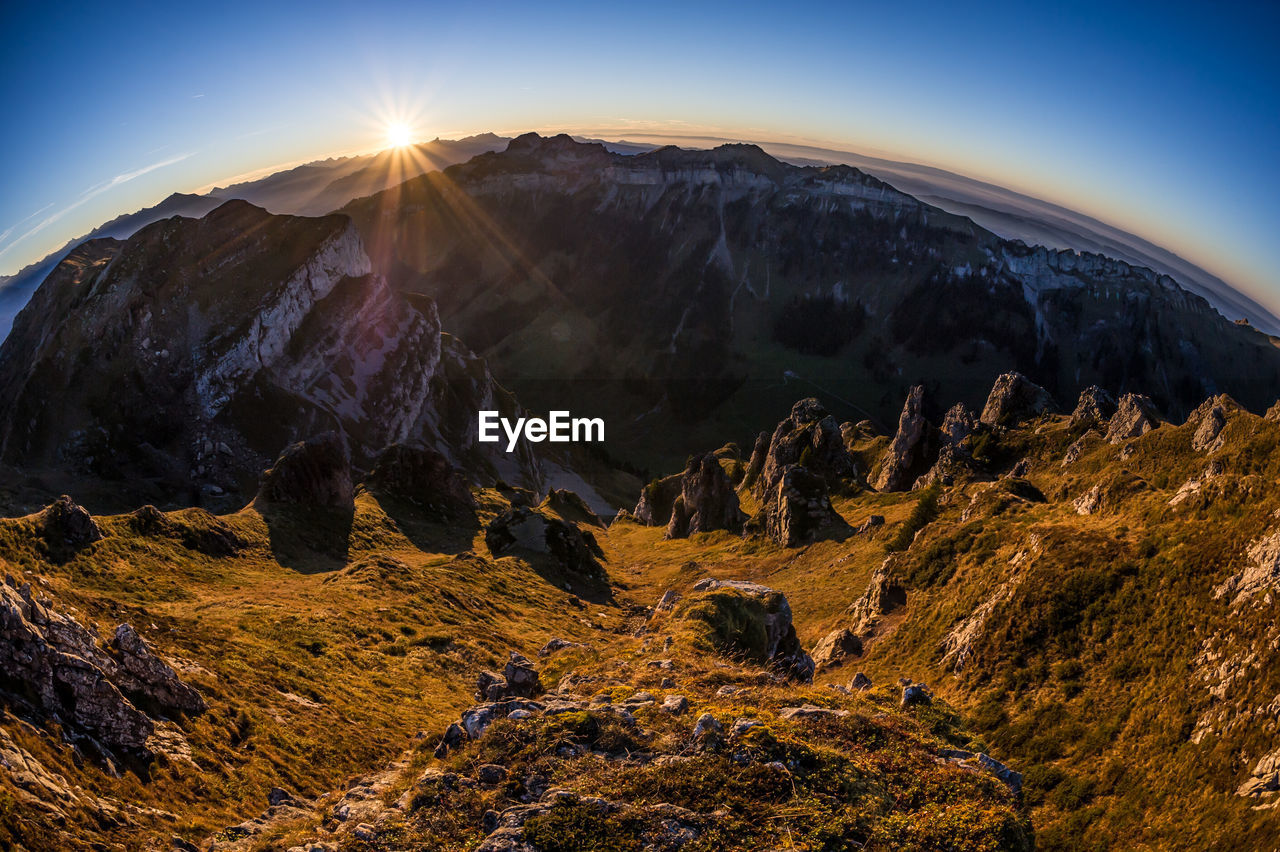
399, 135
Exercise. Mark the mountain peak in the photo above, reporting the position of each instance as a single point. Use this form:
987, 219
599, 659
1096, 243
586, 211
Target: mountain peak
561, 143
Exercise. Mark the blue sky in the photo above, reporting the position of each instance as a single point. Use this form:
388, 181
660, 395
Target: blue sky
1159, 118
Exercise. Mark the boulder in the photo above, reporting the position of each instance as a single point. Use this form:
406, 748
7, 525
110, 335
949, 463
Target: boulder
574, 549
870, 524
748, 619
835, 648
67, 526
916, 694
860, 682
907, 455
707, 731
798, 508
1094, 408
707, 500
1013, 399
314, 472
557, 645
521, 676
421, 476
1135, 416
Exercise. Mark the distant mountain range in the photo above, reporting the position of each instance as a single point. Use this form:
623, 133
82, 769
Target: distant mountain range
321, 187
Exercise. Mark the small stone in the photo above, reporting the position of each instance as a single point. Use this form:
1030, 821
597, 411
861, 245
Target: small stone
916, 694
707, 729
491, 774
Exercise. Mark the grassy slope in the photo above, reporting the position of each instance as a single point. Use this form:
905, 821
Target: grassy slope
1084, 676
321, 665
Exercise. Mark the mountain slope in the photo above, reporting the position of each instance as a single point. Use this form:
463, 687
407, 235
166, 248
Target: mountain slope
1017, 216
174, 366
313, 189
684, 289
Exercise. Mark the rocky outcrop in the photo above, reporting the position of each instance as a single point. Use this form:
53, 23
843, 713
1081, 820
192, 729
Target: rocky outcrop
424, 477
315, 472
142, 672
519, 679
1077, 448
1261, 571
1135, 416
1264, 780
1209, 421
798, 510
1210, 428
811, 437
907, 455
884, 594
67, 527
1094, 408
1090, 502
759, 452
707, 500
835, 648
576, 550
91, 691
1015, 398
658, 499
1273, 414
568, 505
768, 636
958, 423
954, 463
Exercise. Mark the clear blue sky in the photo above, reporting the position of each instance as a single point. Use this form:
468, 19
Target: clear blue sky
1158, 117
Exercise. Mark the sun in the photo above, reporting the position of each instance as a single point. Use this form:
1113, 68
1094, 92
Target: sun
399, 135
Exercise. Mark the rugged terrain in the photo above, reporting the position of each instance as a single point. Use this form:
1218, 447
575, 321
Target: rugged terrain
172, 367
289, 602
684, 293
1088, 596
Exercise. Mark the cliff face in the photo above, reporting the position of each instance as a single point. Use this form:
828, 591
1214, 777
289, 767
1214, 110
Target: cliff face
188, 356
